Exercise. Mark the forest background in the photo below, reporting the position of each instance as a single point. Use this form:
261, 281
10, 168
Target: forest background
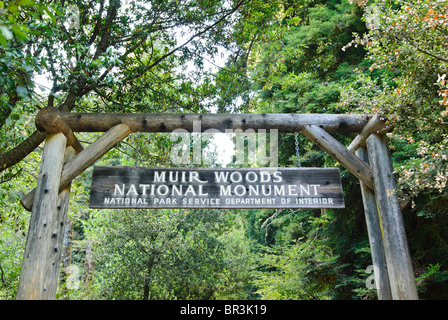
281, 56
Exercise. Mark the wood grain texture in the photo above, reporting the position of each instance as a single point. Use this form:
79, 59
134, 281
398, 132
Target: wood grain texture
57, 226
85, 159
50, 120
168, 122
340, 153
140, 187
375, 236
375, 125
399, 263
39, 252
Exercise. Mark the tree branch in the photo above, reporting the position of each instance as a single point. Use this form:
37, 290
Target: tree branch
105, 32
96, 30
80, 88
196, 35
424, 51
15, 155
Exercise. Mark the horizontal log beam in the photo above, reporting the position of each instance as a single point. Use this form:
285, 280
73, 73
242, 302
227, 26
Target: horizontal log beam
168, 122
49, 119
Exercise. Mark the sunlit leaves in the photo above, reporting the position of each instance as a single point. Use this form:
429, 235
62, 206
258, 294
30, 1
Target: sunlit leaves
408, 49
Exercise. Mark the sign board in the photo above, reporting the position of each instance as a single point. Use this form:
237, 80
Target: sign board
227, 188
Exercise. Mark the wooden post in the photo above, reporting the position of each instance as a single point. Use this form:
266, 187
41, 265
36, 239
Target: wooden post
399, 263
85, 159
375, 236
38, 258
66, 256
58, 226
339, 152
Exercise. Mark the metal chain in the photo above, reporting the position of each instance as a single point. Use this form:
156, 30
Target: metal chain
297, 149
137, 149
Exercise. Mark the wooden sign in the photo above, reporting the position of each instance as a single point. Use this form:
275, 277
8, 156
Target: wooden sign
227, 188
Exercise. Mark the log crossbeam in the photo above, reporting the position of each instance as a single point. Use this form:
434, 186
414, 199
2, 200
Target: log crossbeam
49, 119
222, 122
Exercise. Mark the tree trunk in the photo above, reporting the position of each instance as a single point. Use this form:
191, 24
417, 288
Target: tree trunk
66, 255
89, 266
149, 266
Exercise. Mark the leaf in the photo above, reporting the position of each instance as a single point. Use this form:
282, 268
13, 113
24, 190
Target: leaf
296, 20
13, 8
3, 41
28, 3
20, 31
22, 91
7, 34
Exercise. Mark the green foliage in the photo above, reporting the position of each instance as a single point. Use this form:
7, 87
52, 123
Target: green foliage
302, 271
432, 282
303, 72
299, 72
17, 66
405, 79
407, 49
13, 219
167, 254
